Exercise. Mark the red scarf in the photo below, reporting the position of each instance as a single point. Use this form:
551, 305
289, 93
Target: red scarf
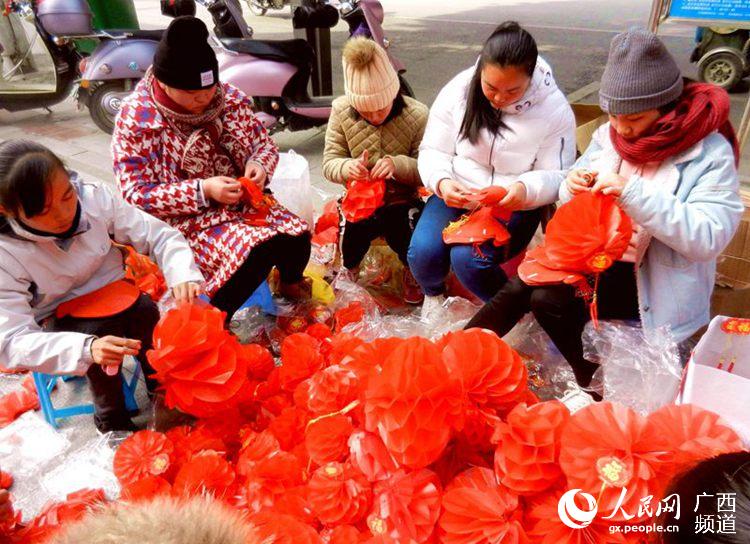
701, 110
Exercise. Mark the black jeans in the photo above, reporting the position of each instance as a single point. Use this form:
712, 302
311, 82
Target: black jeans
289, 254
136, 323
394, 222
561, 313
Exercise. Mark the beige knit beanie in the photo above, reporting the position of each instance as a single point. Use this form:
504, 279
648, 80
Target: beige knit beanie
370, 81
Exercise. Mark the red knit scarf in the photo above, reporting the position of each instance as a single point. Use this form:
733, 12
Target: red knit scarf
701, 110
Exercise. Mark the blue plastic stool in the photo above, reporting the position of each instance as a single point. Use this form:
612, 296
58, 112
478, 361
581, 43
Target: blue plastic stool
45, 383
262, 297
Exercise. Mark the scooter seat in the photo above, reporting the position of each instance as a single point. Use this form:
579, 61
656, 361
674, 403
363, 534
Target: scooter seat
154, 35
297, 52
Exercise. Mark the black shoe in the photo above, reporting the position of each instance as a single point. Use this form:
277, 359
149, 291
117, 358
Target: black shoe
124, 424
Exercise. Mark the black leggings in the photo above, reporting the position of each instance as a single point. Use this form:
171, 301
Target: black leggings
289, 254
137, 323
561, 313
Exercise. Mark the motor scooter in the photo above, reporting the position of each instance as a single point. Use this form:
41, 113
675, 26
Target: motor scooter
261, 7
38, 69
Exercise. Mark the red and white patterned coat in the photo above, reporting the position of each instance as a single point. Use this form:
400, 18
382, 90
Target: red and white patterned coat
156, 176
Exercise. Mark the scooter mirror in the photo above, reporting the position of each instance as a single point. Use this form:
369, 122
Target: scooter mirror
177, 8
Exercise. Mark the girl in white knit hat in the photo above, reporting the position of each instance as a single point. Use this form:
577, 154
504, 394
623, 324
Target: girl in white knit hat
374, 131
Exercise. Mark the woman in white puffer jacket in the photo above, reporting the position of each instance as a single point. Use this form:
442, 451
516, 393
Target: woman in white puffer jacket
503, 122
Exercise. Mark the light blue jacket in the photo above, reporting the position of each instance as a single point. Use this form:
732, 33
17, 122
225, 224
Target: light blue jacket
690, 212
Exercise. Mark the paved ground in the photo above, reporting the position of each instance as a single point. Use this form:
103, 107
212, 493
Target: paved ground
435, 39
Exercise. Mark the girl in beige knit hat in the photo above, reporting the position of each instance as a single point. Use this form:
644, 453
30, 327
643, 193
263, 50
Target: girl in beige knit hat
375, 131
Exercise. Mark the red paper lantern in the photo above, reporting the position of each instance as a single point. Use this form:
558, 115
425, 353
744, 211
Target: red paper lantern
406, 506
274, 528
143, 454
413, 403
203, 369
205, 473
327, 439
492, 373
352, 313
476, 510
459, 455
690, 434
18, 402
343, 534
6, 480
255, 447
339, 494
260, 361
332, 389
55, 516
145, 489
272, 477
477, 227
342, 346
544, 526
366, 356
529, 447
371, 457
145, 274
327, 225
362, 198
300, 359
289, 427
605, 448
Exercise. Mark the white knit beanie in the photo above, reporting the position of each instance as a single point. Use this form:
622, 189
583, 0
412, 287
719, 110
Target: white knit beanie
370, 81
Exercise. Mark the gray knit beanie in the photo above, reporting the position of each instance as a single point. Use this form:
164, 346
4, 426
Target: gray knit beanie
640, 74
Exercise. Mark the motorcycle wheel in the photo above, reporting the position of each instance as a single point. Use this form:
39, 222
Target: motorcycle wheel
104, 104
257, 8
723, 69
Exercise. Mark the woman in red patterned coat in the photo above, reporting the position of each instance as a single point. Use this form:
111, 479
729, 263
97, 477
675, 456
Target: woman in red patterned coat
181, 140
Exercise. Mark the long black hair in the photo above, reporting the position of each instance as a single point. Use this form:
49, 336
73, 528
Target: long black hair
26, 170
509, 45
726, 476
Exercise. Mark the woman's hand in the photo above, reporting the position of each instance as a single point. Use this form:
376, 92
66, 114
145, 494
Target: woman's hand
256, 173
186, 292
385, 168
580, 180
356, 169
515, 199
453, 193
610, 184
110, 350
223, 189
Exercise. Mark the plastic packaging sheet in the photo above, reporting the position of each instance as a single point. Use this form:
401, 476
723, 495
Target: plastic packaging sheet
640, 370
550, 375
291, 186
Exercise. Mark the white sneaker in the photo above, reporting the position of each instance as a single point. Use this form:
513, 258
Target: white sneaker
431, 306
576, 398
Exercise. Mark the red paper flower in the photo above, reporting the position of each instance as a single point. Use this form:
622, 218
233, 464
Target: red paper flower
371, 457
690, 434
203, 369
204, 473
406, 506
289, 427
332, 389
300, 359
327, 439
342, 346
352, 313
492, 373
275, 528
339, 494
271, 478
604, 449
544, 526
15, 403
145, 489
479, 511
529, 448
143, 454
255, 447
413, 403
362, 198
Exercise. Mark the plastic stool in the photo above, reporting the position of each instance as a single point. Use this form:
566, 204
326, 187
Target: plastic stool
45, 383
262, 297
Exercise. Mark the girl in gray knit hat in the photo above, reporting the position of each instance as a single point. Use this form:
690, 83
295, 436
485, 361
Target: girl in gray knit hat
669, 155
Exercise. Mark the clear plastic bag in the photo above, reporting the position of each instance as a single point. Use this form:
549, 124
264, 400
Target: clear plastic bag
550, 375
291, 186
641, 370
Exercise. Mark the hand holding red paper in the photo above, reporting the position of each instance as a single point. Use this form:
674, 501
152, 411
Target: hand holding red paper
363, 197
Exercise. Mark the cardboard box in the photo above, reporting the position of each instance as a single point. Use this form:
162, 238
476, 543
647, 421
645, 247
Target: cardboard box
589, 117
733, 267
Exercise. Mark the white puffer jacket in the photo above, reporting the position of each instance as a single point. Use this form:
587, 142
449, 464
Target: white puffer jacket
540, 139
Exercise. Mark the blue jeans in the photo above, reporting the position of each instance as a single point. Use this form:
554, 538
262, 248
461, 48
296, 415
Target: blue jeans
430, 259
